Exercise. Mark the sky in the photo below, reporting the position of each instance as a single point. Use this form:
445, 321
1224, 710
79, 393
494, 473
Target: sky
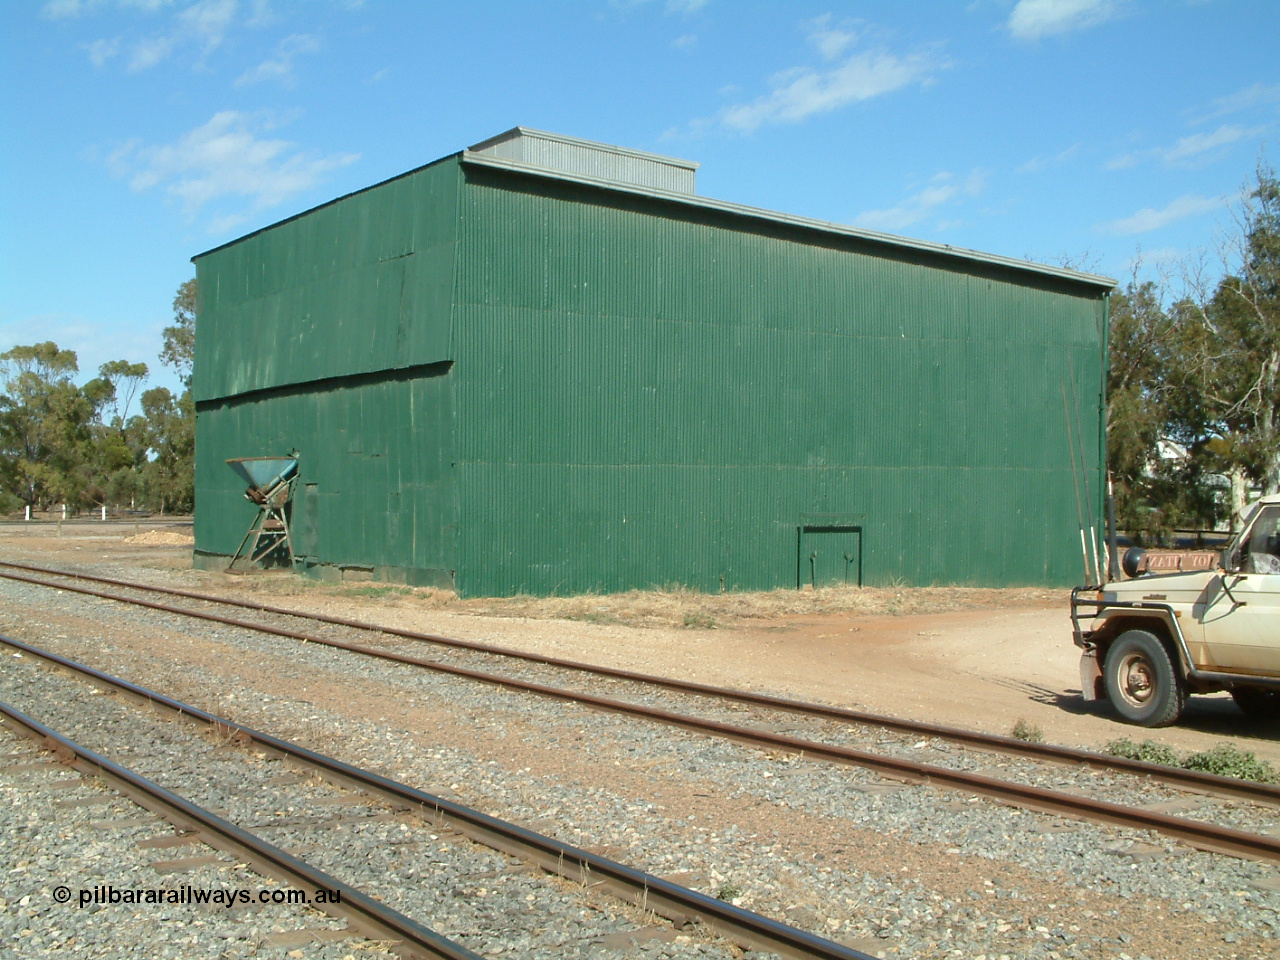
1101, 134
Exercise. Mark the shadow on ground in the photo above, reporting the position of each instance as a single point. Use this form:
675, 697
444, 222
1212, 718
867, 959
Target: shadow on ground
1217, 715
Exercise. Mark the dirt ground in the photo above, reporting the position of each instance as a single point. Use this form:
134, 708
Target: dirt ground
980, 659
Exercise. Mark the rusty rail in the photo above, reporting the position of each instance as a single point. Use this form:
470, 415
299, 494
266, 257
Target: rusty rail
1203, 835
1188, 779
364, 915
650, 892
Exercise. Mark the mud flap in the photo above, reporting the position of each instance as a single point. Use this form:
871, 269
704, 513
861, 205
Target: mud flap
1090, 676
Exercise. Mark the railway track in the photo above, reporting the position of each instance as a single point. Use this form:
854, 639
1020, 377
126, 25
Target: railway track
1263, 793
1197, 833
365, 915
653, 895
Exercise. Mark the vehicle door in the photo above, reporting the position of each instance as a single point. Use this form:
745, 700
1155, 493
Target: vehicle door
1241, 616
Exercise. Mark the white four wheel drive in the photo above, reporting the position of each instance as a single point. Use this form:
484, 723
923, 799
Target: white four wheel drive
1154, 639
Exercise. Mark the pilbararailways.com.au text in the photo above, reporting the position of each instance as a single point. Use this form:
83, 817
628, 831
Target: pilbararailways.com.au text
110, 894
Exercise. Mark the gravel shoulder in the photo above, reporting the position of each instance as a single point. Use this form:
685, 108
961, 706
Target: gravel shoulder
993, 658
895, 870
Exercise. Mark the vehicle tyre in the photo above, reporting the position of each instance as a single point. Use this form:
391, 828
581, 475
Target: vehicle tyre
1142, 682
1263, 704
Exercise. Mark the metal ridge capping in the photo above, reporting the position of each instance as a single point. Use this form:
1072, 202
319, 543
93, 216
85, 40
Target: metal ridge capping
823, 226
519, 131
646, 890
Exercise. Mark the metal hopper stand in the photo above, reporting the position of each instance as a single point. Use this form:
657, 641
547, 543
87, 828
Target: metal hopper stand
270, 483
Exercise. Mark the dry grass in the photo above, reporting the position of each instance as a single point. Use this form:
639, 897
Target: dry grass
679, 607
673, 606
162, 538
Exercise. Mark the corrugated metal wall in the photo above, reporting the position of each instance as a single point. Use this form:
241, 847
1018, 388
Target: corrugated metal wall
649, 395
376, 486
555, 388
356, 286
329, 334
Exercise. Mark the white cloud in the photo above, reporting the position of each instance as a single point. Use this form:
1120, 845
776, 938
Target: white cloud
1034, 19
207, 22
1123, 162
1194, 150
803, 91
220, 226
831, 41
280, 66
1200, 143
147, 53
685, 42
1258, 95
226, 158
65, 9
1148, 218
1036, 164
203, 25
100, 51
942, 189
670, 7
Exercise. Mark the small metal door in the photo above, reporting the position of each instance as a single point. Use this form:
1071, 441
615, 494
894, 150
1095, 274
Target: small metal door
829, 555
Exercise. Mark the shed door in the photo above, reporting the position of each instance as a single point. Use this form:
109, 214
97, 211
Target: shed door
830, 555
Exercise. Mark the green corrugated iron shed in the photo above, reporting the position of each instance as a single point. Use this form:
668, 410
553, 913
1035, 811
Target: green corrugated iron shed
544, 365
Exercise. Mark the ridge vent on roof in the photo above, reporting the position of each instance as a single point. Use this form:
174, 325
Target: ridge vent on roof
601, 161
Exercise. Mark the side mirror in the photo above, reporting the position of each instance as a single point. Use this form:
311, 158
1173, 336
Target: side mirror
1228, 562
1134, 562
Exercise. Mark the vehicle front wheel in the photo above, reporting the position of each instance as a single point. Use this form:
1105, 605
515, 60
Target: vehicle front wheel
1141, 680
1263, 704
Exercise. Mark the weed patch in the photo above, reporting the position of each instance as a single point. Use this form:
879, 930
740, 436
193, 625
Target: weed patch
376, 593
1028, 732
1226, 760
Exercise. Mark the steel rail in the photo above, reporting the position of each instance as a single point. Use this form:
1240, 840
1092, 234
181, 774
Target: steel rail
1204, 835
652, 893
1189, 779
364, 915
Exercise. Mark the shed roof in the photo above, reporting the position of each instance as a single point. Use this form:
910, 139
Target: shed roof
483, 154
1090, 279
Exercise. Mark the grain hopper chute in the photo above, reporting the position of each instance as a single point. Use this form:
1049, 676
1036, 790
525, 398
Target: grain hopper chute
269, 483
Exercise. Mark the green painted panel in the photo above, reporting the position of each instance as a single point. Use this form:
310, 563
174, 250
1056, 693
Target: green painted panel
360, 285
648, 396
640, 393
375, 487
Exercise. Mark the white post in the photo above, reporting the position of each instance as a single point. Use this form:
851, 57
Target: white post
64, 511
104, 511
28, 511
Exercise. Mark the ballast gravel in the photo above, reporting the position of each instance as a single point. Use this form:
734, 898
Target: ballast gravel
60, 830
473, 895
889, 868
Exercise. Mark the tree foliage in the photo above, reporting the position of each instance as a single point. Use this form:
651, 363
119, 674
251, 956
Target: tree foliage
44, 422
1194, 391
84, 446
179, 349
